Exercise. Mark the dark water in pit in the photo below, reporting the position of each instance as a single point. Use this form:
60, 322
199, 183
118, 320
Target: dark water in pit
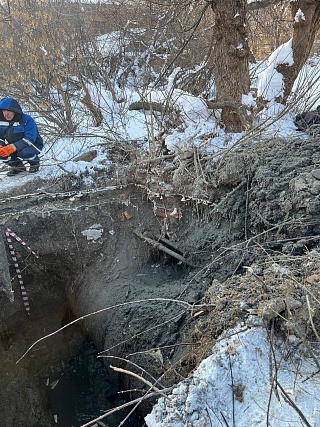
80, 391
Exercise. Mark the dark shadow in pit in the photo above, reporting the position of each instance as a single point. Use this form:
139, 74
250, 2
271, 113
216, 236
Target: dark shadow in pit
74, 386
81, 391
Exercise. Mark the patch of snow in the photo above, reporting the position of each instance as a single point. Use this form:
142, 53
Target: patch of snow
270, 84
239, 385
248, 100
93, 233
299, 16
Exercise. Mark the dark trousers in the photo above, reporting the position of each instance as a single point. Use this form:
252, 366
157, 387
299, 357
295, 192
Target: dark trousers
29, 154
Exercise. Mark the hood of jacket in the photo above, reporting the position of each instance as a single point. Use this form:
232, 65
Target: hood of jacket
10, 104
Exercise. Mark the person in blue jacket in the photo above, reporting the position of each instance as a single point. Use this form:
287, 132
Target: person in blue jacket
19, 138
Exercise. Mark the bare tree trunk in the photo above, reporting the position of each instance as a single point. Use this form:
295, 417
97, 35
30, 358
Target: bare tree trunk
94, 110
230, 54
69, 125
306, 17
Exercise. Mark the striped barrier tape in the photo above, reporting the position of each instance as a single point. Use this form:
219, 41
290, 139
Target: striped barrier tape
24, 294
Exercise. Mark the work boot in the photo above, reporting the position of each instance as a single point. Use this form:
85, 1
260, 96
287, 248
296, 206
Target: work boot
34, 168
14, 171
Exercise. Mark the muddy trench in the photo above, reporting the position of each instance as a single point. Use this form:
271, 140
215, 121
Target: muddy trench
90, 258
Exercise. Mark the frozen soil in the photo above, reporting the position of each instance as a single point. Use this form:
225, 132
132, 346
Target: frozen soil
168, 255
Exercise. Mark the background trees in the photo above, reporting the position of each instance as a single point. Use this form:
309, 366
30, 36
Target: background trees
52, 54
231, 59
306, 22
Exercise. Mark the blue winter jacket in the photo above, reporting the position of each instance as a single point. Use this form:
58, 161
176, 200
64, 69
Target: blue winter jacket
22, 131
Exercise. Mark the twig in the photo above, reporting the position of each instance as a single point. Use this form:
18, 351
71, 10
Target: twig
311, 320
54, 160
160, 348
232, 388
272, 377
311, 376
301, 336
156, 159
291, 403
165, 300
133, 364
129, 414
137, 335
125, 405
223, 417
209, 417
133, 374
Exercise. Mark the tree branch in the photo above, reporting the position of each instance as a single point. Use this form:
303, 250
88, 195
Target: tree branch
256, 5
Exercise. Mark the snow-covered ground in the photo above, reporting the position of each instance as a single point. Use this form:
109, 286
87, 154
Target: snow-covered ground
198, 122
250, 380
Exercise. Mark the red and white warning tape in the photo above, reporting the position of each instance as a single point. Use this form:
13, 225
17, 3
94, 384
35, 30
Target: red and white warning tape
16, 265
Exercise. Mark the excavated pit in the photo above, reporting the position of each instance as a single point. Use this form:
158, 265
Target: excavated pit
140, 261
90, 258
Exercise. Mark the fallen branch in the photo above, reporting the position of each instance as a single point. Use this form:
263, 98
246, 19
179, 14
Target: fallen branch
157, 159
